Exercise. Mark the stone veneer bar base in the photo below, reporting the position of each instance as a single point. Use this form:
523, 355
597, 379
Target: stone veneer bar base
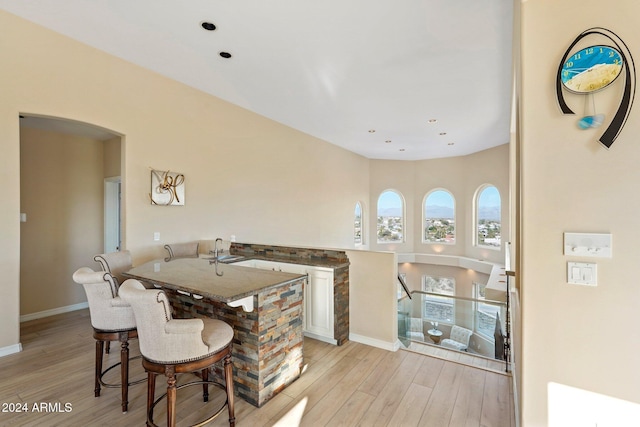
268, 341
333, 258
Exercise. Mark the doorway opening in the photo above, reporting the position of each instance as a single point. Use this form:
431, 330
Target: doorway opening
69, 177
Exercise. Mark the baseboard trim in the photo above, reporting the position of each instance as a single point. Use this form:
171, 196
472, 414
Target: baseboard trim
10, 349
374, 342
320, 338
53, 312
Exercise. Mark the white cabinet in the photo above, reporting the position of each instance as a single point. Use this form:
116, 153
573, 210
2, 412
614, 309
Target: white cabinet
247, 263
281, 266
318, 305
318, 311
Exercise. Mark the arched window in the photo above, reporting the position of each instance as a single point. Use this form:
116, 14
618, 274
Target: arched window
358, 227
488, 216
439, 214
390, 217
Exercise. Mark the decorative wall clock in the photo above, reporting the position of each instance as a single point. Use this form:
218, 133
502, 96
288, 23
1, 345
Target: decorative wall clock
594, 68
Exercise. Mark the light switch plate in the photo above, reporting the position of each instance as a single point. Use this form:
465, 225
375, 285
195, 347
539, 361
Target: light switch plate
582, 273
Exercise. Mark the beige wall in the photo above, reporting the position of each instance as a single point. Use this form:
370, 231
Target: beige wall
577, 336
245, 175
61, 191
372, 298
462, 177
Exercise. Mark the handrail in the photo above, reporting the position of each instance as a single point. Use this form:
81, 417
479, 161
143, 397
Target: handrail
486, 301
404, 286
507, 339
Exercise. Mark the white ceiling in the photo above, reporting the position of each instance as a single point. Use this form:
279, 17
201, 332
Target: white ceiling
334, 69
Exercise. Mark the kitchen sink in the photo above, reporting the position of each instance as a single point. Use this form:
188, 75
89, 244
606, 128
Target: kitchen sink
227, 259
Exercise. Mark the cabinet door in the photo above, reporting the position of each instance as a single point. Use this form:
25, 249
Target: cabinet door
318, 301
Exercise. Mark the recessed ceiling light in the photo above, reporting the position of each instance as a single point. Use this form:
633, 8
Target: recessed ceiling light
209, 26
372, 130
225, 54
432, 120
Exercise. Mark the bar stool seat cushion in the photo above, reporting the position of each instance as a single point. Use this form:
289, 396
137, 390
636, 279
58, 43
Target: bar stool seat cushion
216, 334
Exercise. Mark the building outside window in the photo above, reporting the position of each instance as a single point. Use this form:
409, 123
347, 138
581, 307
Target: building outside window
439, 308
439, 218
390, 217
488, 215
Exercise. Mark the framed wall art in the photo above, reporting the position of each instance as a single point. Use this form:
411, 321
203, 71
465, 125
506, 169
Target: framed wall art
167, 188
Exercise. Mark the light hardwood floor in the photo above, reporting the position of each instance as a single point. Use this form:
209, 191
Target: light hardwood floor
350, 385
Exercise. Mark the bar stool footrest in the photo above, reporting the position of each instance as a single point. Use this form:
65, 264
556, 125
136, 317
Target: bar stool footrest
150, 422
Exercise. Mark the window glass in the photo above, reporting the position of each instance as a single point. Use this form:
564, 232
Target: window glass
439, 308
439, 218
357, 225
488, 213
485, 314
390, 217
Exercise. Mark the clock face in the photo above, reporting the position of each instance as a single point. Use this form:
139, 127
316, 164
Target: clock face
591, 69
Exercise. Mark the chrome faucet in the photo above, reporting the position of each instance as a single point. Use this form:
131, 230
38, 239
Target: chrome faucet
217, 251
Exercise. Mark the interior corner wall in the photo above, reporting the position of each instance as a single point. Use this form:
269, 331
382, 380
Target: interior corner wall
112, 157
61, 192
245, 175
373, 289
576, 337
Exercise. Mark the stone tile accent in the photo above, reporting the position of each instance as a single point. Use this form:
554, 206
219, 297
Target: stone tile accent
268, 342
341, 304
308, 256
332, 258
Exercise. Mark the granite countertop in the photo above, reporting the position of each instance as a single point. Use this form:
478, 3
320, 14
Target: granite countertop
314, 262
216, 281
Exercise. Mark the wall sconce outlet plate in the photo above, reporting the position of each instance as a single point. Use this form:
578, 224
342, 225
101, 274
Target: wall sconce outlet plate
588, 245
